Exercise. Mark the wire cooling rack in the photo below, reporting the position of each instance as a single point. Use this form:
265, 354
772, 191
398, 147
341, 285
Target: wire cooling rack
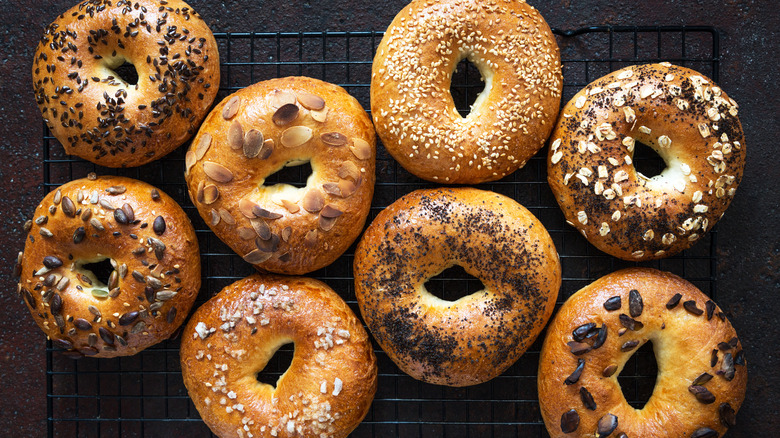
144, 395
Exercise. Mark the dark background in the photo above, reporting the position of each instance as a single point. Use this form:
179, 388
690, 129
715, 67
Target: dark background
748, 244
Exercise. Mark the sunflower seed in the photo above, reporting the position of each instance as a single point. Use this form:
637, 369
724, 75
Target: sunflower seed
56, 304
105, 203
120, 216
155, 195
63, 283
635, 305
88, 351
79, 234
231, 108
575, 376
128, 318
609, 370
630, 345
313, 201
296, 136
217, 172
607, 425
310, 101
673, 301
96, 224
57, 197
139, 277
690, 306
106, 335
138, 327
129, 213
253, 143
45, 232
41, 220
285, 114
52, 262
68, 207
82, 324
94, 310
613, 303
256, 256
158, 246
570, 421
739, 358
335, 139
171, 315
153, 282
587, 399
29, 298
116, 190
159, 225
165, 295
727, 415
50, 280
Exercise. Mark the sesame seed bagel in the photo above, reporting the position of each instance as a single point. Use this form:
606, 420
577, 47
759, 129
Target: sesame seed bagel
94, 113
151, 246
331, 381
257, 131
414, 113
701, 367
687, 119
477, 337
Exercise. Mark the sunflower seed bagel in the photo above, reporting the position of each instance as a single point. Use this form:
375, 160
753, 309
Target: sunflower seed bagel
702, 374
687, 119
151, 246
257, 131
94, 113
414, 112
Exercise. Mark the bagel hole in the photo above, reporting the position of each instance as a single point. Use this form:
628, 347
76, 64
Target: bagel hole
637, 380
294, 173
466, 85
277, 365
647, 161
127, 73
101, 270
453, 284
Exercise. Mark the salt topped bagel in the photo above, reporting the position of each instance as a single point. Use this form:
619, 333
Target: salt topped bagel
414, 113
687, 119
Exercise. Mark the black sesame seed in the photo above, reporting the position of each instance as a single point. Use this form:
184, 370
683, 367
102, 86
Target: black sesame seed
128, 318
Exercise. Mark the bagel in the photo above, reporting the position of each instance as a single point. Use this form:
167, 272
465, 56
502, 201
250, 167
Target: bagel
414, 113
152, 248
329, 386
477, 337
702, 372
688, 120
90, 108
261, 129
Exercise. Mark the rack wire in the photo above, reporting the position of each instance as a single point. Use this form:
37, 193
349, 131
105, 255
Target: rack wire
144, 395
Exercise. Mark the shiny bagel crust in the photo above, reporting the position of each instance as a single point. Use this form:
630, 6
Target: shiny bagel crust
702, 372
258, 130
98, 116
413, 110
477, 337
151, 245
331, 381
687, 119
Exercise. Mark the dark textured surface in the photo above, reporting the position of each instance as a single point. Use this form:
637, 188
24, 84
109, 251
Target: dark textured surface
749, 263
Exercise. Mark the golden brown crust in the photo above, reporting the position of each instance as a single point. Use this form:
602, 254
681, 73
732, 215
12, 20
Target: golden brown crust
413, 110
479, 336
98, 116
683, 342
154, 251
254, 133
330, 383
687, 120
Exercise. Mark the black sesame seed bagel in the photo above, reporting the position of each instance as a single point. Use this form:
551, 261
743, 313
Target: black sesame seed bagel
257, 131
477, 337
98, 116
414, 113
331, 381
701, 367
690, 122
152, 248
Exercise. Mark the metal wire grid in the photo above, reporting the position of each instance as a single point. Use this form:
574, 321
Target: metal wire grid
144, 395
